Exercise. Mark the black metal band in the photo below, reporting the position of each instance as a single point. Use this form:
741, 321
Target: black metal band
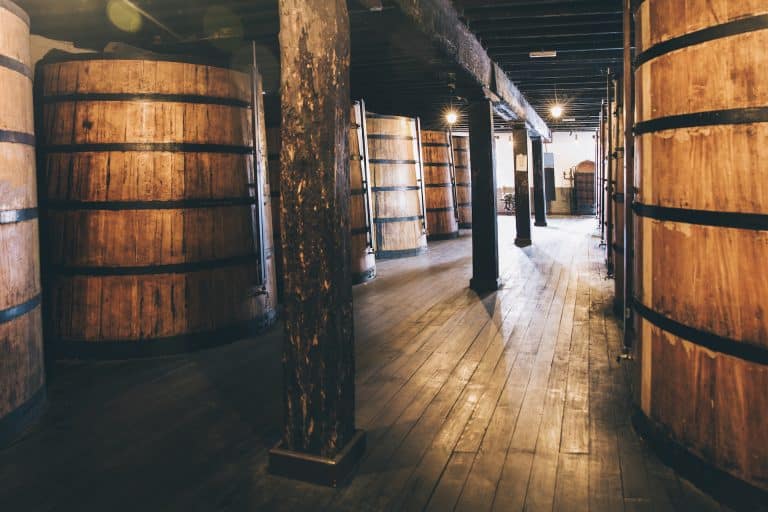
753, 221
6, 315
198, 60
371, 115
386, 161
17, 137
461, 150
357, 192
14, 216
148, 205
438, 185
618, 197
149, 97
16, 10
154, 347
363, 277
388, 136
464, 204
435, 145
175, 268
404, 253
443, 209
443, 236
15, 65
169, 147
463, 184
437, 164
740, 349
732, 28
397, 188
461, 167
712, 118
13, 424
397, 219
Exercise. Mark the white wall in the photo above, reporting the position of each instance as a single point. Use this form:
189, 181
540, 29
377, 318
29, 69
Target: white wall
505, 161
40, 45
570, 150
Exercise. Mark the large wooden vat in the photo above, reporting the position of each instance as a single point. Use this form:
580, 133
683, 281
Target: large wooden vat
463, 176
363, 264
22, 377
439, 191
701, 229
394, 156
151, 205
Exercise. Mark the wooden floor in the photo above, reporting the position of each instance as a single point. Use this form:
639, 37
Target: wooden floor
510, 402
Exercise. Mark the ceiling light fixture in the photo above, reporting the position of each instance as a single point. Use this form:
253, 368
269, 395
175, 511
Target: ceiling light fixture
556, 111
451, 117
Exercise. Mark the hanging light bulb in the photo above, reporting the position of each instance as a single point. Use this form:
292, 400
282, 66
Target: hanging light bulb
451, 117
556, 111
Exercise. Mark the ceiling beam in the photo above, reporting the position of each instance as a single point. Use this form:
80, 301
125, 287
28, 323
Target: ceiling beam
439, 20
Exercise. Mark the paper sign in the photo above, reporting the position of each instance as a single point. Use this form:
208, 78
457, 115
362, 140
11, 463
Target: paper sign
521, 162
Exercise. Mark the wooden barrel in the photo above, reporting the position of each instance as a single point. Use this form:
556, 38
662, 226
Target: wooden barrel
701, 217
22, 377
463, 176
150, 195
397, 189
363, 265
439, 192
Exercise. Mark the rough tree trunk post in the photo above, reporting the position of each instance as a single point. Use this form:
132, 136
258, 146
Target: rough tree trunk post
485, 236
319, 442
539, 201
522, 191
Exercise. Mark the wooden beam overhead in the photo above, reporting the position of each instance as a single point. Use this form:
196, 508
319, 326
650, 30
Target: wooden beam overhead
439, 20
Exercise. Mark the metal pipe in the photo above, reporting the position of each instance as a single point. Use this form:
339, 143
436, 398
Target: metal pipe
255, 180
609, 177
629, 176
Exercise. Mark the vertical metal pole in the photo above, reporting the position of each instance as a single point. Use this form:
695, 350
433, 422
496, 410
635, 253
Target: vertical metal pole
629, 178
256, 183
601, 181
453, 174
609, 178
366, 170
420, 178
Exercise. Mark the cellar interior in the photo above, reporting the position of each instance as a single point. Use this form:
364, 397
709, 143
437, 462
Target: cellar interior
368, 255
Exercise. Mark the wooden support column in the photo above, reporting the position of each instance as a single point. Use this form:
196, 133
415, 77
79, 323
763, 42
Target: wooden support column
539, 199
522, 188
485, 235
319, 441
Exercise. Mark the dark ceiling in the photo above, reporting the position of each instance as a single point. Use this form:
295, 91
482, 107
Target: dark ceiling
395, 66
587, 35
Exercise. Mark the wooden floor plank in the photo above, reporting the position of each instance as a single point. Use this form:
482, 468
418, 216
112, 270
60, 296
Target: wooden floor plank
509, 401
